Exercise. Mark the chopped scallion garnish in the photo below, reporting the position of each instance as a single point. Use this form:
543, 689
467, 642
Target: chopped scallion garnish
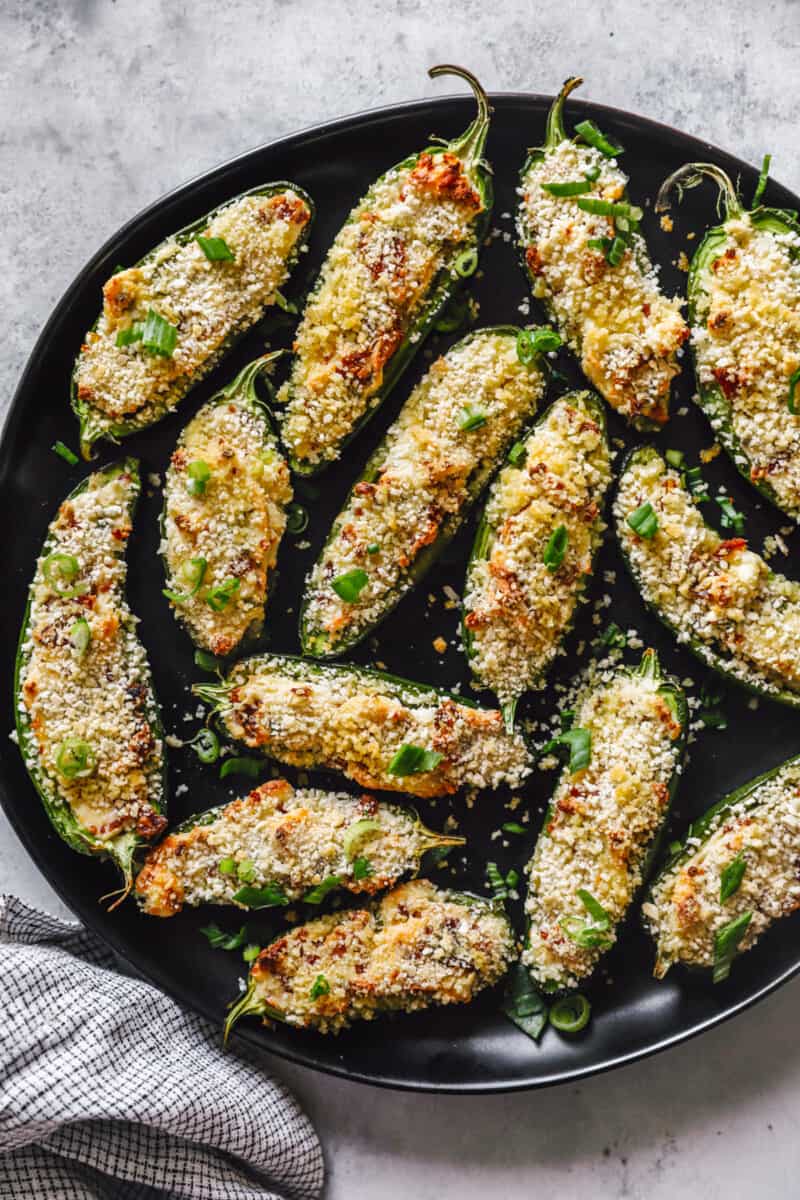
611, 208
731, 877
218, 598
158, 336
517, 454
576, 187
269, 896
496, 882
320, 987
373, 548
216, 249
794, 380
531, 342
726, 942
296, 518
591, 134
579, 743
222, 940
192, 573
413, 760
473, 418
556, 548
643, 520
198, 474
614, 637
358, 834
206, 746
60, 571
75, 759
762, 180
674, 458
589, 935
64, 452
731, 517
349, 585
80, 635
523, 1005
570, 1014
241, 766
467, 263
317, 894
362, 868
514, 827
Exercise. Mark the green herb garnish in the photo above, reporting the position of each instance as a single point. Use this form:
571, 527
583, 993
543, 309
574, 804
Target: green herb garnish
357, 834
556, 548
362, 868
731, 877
316, 895
643, 520
75, 759
523, 1005
350, 584
206, 746
731, 517
496, 881
570, 1014
413, 760
531, 342
241, 766
514, 827
80, 635
576, 187
794, 380
619, 209
320, 987
193, 573
60, 571
473, 418
579, 742
614, 637
592, 934
220, 939
216, 249
296, 518
269, 896
467, 263
726, 942
64, 452
594, 137
198, 474
218, 598
517, 454
762, 180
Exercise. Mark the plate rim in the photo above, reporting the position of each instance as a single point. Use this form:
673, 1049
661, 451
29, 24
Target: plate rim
87, 913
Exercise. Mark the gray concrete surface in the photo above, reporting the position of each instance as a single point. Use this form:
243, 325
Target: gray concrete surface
105, 106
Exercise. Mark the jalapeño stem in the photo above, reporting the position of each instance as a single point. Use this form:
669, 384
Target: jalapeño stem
469, 146
244, 383
554, 130
247, 1004
649, 667
691, 175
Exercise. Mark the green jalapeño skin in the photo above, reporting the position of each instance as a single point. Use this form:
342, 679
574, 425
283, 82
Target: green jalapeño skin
401, 256
88, 723
744, 310
167, 321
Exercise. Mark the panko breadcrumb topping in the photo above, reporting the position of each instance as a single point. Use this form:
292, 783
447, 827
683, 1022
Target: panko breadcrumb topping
294, 839
625, 332
684, 911
600, 825
517, 609
419, 485
91, 692
207, 302
375, 283
234, 523
357, 722
416, 948
746, 340
716, 594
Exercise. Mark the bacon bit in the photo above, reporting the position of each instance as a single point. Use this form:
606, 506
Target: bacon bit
731, 545
719, 320
149, 823
443, 174
121, 535
646, 309
729, 255
178, 458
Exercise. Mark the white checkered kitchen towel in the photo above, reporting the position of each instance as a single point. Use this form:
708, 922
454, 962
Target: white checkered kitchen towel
110, 1091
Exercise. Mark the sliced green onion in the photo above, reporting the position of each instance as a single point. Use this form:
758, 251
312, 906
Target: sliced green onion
675, 848
251, 952
610, 208
726, 942
317, 894
80, 636
514, 827
579, 742
556, 548
288, 306
75, 759
731, 517
584, 934
373, 548
693, 478
531, 342
218, 598
269, 896
593, 173
616, 251
245, 870
762, 180
64, 452
594, 908
350, 584
467, 263
413, 760
614, 637
227, 866
575, 187
221, 940
496, 882
296, 518
59, 571
570, 1014
358, 834
517, 454
794, 379
362, 868
193, 572
158, 336
644, 521
241, 766
206, 746
674, 458
731, 877
591, 134
512, 878
523, 1005
126, 337
216, 249
198, 474
206, 661
473, 418
320, 987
